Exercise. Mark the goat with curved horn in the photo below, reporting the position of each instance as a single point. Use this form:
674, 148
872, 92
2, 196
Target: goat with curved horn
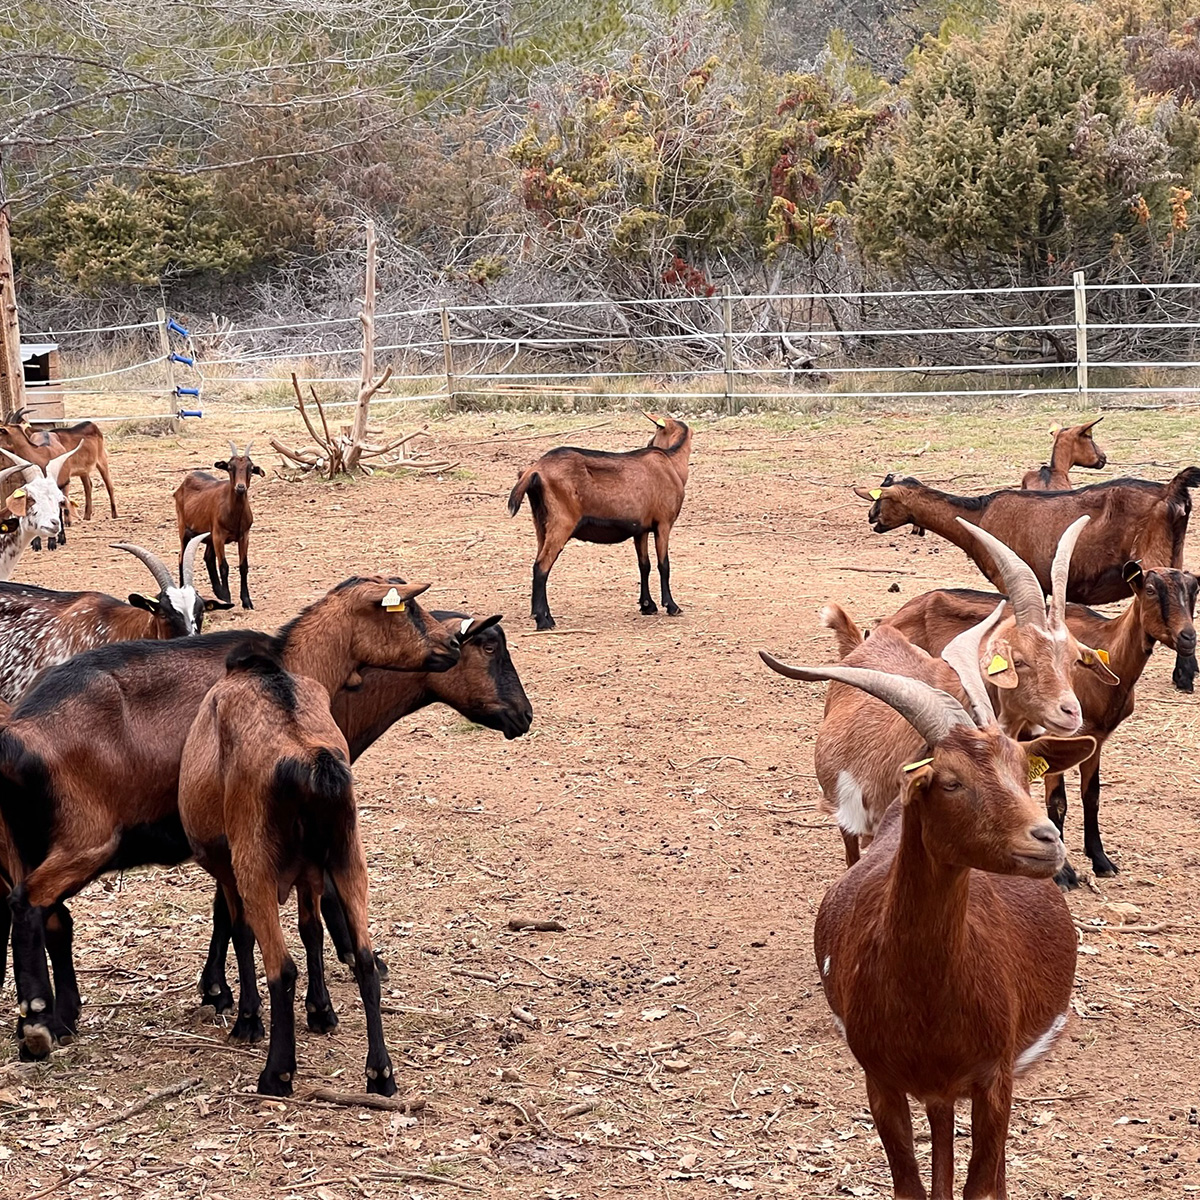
156, 566
963, 655
1020, 582
1060, 570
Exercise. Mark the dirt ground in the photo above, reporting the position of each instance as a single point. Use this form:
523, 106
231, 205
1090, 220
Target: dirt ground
663, 808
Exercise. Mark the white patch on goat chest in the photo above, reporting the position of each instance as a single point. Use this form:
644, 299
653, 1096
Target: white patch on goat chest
1039, 1048
848, 796
825, 967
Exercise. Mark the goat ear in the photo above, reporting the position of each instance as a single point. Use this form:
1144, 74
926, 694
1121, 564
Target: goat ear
999, 669
217, 605
1097, 662
1058, 753
1133, 575
222, 465
865, 494
476, 627
140, 601
255, 469
17, 502
917, 777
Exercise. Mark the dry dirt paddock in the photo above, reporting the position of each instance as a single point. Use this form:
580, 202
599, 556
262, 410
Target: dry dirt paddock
674, 1041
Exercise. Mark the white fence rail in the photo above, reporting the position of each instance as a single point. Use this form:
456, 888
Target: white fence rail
1106, 340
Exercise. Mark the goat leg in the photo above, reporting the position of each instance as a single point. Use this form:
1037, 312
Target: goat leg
214, 989
321, 1017
642, 545
1093, 846
86, 480
243, 571
1056, 809
249, 1026
941, 1128
261, 908
893, 1123
334, 916
990, 1110
662, 537
35, 998
60, 937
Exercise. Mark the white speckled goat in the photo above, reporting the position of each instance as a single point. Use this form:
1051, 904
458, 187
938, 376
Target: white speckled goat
32, 511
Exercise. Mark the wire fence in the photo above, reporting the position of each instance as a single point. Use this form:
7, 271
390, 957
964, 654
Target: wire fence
1106, 340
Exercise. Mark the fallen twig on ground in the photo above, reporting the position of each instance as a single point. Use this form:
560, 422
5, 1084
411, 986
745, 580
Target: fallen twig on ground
183, 1085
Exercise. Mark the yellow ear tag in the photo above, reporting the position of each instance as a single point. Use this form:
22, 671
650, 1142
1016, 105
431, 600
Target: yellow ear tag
1102, 655
875, 493
661, 424
1038, 766
914, 766
392, 601
997, 665
1054, 428
18, 493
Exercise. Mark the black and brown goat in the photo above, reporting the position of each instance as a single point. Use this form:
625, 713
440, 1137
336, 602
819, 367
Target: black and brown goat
221, 508
267, 802
1073, 447
43, 445
89, 759
1131, 520
40, 628
946, 954
1162, 611
607, 497
483, 686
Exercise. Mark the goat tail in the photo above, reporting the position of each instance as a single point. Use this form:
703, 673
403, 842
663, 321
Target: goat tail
1177, 489
529, 479
845, 632
330, 777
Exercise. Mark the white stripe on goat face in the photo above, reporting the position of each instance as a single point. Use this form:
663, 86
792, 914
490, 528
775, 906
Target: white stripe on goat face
183, 601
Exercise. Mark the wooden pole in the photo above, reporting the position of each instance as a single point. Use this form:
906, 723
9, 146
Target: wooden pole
12, 373
448, 358
366, 385
1081, 346
727, 338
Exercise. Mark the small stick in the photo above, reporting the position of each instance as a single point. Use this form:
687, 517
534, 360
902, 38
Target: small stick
580, 1109
407, 1104
564, 632
183, 1085
1156, 928
516, 924
67, 1179
423, 1177
531, 963
486, 976
535, 1119
875, 570
523, 1015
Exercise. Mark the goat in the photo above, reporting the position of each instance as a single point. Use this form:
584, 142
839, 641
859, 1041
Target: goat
267, 802
600, 496
34, 510
205, 504
1073, 447
946, 954
1028, 656
1132, 520
40, 628
40, 447
1162, 612
483, 686
89, 759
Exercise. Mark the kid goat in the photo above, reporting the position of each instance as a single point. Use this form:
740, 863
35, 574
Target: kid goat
1132, 520
1029, 656
600, 496
1073, 447
89, 759
1163, 603
947, 954
32, 511
267, 802
205, 504
40, 628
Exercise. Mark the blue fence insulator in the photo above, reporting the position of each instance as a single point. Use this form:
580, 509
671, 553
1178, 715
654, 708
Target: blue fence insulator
190, 412
175, 327
179, 391
183, 358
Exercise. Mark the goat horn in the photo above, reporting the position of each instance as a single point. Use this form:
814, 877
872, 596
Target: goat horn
23, 463
233, 450
157, 567
1060, 570
4, 474
1020, 583
929, 710
246, 452
187, 566
962, 653
54, 467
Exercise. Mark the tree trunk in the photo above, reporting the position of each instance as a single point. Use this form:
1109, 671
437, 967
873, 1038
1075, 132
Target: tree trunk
367, 386
12, 374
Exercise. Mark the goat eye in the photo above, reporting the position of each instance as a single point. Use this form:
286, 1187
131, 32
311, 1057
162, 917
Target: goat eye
951, 785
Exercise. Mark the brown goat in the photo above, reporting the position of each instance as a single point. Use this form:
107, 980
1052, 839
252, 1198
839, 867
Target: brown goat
1030, 657
205, 504
1162, 612
267, 801
41, 446
1132, 520
1073, 447
946, 954
599, 496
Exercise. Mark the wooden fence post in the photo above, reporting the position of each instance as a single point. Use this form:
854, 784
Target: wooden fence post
727, 339
1081, 346
12, 373
448, 357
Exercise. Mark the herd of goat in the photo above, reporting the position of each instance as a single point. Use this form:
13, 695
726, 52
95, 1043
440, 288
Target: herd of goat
133, 738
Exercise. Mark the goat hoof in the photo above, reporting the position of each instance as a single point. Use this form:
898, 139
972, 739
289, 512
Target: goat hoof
36, 1042
382, 1085
247, 1029
1102, 866
322, 1020
546, 622
647, 607
270, 1084
247, 604
673, 610
220, 999
381, 967
1066, 878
